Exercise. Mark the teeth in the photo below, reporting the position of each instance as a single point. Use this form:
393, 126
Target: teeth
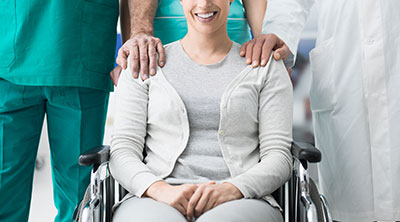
205, 15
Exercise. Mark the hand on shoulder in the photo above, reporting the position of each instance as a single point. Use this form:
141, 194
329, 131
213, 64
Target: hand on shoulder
142, 49
260, 48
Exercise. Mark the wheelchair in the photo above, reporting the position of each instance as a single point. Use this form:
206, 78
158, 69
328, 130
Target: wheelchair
299, 197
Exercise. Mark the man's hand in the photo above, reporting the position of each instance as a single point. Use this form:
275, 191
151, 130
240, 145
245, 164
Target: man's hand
175, 196
260, 48
210, 195
143, 49
115, 73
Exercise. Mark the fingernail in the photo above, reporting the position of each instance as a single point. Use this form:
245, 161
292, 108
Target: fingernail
161, 64
278, 56
241, 53
135, 75
254, 63
263, 62
145, 76
248, 61
152, 71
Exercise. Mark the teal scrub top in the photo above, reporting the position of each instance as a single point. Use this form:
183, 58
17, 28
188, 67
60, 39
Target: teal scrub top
58, 42
170, 22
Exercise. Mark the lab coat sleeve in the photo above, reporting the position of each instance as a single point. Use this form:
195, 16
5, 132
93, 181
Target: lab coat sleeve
286, 19
128, 138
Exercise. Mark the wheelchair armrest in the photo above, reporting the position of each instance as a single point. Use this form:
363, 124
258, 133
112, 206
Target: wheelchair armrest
306, 152
95, 156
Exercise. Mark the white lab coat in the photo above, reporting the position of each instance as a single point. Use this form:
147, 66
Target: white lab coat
355, 99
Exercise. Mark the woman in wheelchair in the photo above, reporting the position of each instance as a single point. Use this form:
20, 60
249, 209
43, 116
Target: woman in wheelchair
208, 138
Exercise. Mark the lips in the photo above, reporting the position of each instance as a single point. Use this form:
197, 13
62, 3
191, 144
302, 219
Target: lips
205, 16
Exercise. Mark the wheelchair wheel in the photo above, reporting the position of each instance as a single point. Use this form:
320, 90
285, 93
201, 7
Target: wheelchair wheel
314, 194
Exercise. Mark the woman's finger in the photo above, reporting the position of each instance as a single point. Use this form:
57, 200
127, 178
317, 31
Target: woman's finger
210, 204
180, 208
190, 210
202, 203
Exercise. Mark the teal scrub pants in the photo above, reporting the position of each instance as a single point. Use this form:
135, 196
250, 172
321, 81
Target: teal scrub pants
75, 118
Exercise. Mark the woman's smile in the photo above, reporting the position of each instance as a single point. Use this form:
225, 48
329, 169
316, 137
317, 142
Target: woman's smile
205, 17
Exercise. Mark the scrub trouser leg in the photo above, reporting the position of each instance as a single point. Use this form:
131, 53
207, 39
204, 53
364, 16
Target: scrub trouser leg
20, 128
76, 118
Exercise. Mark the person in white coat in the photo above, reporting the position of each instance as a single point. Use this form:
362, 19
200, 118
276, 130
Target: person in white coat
354, 99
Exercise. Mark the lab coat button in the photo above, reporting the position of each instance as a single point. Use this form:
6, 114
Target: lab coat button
221, 132
370, 41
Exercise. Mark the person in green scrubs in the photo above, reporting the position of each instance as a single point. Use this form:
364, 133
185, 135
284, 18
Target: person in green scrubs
55, 59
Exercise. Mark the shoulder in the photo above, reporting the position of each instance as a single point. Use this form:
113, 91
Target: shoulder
173, 53
172, 46
235, 53
126, 80
236, 47
275, 72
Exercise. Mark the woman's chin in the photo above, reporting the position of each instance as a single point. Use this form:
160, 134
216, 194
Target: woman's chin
206, 30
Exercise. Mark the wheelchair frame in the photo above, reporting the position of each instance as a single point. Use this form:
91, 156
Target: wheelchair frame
100, 196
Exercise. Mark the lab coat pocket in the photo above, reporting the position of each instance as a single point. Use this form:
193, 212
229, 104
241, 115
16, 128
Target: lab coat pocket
322, 94
8, 28
98, 36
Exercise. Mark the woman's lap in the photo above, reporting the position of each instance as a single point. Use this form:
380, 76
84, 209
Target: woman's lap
149, 210
146, 209
242, 210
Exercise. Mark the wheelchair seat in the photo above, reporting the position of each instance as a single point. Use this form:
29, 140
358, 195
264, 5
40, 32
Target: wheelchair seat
304, 203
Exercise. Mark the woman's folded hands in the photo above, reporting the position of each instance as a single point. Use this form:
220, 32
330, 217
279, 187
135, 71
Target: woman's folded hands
210, 195
177, 196
193, 199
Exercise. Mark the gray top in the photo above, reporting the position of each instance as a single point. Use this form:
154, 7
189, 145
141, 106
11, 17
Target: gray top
254, 130
201, 88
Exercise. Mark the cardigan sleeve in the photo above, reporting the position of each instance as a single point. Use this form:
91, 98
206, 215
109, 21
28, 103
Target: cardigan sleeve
128, 138
275, 136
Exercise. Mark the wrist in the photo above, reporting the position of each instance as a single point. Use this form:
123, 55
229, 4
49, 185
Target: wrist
233, 190
135, 32
155, 188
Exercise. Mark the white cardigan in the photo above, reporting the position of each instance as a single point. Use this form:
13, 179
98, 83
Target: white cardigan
254, 131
